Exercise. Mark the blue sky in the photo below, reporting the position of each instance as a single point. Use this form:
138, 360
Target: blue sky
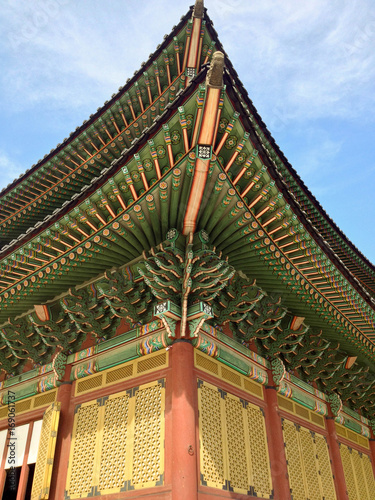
309, 68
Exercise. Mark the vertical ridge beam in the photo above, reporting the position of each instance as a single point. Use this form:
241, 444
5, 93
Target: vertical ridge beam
206, 138
194, 42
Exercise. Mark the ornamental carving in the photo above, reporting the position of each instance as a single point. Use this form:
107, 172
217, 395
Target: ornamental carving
278, 371
237, 299
24, 341
87, 314
126, 298
262, 322
335, 403
186, 271
309, 351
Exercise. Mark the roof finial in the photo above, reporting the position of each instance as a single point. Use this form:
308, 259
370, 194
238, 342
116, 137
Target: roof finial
198, 10
215, 73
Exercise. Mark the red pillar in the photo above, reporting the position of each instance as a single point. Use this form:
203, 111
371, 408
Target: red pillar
372, 451
337, 467
60, 466
279, 468
184, 432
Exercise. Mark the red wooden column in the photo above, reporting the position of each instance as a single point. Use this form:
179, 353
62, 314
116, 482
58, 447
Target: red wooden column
279, 468
60, 466
338, 470
184, 431
372, 450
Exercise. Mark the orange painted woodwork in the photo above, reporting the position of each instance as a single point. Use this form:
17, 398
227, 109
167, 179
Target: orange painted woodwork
184, 423
279, 468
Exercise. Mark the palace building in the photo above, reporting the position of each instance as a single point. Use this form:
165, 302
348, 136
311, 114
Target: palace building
179, 317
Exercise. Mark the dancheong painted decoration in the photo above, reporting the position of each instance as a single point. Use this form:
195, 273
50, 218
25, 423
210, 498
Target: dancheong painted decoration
179, 318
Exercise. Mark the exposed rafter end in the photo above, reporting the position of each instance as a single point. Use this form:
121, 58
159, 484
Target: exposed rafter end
350, 361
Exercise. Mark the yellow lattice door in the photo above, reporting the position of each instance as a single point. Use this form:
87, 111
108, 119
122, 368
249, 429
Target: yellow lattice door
115, 448
84, 450
358, 473
369, 476
325, 472
118, 443
238, 463
310, 464
211, 436
309, 467
233, 443
148, 448
258, 448
46, 453
294, 460
348, 472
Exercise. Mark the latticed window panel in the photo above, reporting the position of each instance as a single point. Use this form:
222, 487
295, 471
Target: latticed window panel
207, 364
358, 473
326, 476
148, 452
235, 431
310, 464
113, 452
89, 384
117, 374
211, 436
368, 475
259, 459
296, 409
83, 448
348, 434
233, 443
150, 363
360, 477
294, 460
28, 404
46, 453
118, 443
44, 399
309, 467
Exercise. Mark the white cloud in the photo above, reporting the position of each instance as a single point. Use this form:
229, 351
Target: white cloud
316, 58
74, 53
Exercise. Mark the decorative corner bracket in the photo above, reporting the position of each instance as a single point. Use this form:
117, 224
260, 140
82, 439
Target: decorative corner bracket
170, 314
278, 371
196, 316
335, 403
